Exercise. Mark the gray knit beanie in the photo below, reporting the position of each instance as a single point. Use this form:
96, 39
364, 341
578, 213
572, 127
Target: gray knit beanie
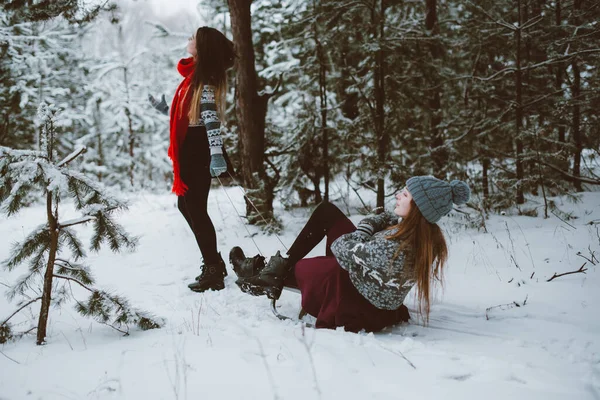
434, 197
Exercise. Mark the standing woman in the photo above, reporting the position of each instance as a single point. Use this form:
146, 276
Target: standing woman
196, 146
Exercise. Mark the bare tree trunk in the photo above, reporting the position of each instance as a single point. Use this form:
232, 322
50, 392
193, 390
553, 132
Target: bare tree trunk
99, 150
48, 275
576, 92
519, 111
323, 104
251, 108
485, 166
52, 216
540, 174
247, 107
576, 127
559, 71
131, 135
379, 88
439, 155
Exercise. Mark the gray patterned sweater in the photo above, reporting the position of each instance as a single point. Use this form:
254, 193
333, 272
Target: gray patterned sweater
210, 119
367, 256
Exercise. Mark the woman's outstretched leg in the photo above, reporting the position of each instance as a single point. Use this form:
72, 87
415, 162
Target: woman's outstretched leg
326, 220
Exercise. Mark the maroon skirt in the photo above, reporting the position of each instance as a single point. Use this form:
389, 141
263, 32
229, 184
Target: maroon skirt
329, 295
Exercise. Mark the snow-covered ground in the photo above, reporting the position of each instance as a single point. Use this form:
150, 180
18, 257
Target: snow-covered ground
228, 345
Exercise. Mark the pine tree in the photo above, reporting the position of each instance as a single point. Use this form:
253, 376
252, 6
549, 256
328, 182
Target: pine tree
22, 173
73, 11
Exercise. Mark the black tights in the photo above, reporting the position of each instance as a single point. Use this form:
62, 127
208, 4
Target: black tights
323, 218
194, 161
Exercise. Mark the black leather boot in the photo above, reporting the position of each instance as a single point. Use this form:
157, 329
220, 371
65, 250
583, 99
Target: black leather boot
211, 278
245, 267
269, 281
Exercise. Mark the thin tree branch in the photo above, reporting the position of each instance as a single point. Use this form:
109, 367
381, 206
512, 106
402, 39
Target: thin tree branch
399, 353
77, 301
19, 309
560, 59
509, 305
69, 265
68, 278
72, 156
593, 259
77, 221
11, 359
571, 177
552, 211
500, 21
532, 22
274, 91
579, 271
365, 98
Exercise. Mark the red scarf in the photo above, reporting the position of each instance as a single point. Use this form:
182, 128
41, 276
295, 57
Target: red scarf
179, 120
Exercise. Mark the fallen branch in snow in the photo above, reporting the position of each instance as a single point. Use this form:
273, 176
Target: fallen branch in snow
308, 347
399, 353
580, 270
593, 259
552, 211
505, 307
11, 359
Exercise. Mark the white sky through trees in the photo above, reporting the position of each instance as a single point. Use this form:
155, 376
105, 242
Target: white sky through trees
169, 7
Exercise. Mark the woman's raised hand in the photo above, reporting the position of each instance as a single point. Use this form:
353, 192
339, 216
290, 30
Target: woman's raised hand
161, 105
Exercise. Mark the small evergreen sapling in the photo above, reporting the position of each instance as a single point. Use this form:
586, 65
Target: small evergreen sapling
22, 173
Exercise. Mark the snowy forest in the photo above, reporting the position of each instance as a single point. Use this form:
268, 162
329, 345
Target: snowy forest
329, 100
502, 94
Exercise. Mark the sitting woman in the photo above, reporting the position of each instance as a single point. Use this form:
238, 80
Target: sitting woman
368, 270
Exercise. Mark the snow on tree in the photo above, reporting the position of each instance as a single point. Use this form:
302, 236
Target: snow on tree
52, 251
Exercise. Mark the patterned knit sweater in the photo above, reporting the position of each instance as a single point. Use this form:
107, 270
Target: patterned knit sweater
367, 256
210, 119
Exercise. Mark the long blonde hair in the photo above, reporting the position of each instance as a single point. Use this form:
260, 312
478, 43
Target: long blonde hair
214, 56
426, 253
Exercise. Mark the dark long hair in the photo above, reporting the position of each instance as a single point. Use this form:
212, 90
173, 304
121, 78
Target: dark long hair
214, 56
426, 253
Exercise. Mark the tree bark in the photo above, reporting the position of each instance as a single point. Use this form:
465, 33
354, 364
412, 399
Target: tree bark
576, 125
485, 166
248, 108
251, 108
98, 125
559, 72
379, 88
251, 111
576, 92
48, 275
323, 104
53, 228
439, 155
131, 136
519, 111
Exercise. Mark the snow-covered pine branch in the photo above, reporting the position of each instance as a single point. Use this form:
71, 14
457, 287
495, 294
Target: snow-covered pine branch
26, 174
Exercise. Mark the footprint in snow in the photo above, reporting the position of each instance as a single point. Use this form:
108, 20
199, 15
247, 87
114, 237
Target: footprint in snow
461, 378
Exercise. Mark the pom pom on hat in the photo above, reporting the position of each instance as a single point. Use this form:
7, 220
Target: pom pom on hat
460, 192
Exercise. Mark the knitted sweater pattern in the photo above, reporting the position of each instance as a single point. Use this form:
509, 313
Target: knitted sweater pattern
210, 119
368, 256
